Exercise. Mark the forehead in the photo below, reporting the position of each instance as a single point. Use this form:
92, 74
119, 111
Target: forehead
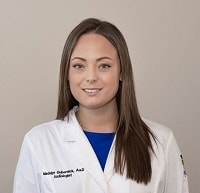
94, 43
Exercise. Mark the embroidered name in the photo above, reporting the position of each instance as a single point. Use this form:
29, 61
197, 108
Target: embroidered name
63, 173
63, 176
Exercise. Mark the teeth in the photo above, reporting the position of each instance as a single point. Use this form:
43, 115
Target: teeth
91, 90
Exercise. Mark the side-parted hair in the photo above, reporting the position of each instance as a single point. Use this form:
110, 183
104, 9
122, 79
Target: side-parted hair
133, 146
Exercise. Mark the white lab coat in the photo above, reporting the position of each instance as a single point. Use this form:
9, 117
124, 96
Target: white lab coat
56, 157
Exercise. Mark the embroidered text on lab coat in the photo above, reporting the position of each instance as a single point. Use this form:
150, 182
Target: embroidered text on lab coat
63, 173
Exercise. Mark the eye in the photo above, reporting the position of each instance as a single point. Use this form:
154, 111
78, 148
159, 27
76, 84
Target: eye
78, 66
104, 66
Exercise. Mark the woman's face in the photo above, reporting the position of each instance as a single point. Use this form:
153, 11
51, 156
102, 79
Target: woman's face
94, 72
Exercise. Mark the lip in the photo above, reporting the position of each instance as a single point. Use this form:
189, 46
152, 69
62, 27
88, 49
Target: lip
91, 91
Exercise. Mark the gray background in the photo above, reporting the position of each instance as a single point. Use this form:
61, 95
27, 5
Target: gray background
164, 43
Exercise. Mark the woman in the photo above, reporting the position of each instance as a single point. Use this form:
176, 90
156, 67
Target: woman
99, 142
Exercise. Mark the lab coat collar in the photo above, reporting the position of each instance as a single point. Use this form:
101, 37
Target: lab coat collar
83, 151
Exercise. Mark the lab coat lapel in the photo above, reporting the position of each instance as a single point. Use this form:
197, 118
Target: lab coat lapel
109, 167
80, 147
85, 154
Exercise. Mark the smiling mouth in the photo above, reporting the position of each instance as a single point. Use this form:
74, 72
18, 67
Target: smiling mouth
92, 90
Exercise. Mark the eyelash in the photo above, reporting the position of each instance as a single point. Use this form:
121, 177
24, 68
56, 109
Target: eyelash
104, 66
78, 66
101, 66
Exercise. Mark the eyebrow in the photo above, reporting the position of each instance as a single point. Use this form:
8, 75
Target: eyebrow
98, 59
78, 58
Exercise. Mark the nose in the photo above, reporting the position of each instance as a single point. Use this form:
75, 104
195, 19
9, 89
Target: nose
91, 75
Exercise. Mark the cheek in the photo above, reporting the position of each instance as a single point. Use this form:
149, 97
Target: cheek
73, 89
73, 85
74, 79
113, 84
72, 82
70, 76
113, 79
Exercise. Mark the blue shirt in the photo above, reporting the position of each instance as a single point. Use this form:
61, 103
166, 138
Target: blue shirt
101, 143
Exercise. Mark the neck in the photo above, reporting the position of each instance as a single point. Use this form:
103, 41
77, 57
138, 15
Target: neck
101, 120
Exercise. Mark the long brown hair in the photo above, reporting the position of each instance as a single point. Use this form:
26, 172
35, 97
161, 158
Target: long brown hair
133, 147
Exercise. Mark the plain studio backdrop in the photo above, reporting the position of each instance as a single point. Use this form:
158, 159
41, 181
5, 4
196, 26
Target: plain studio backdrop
164, 44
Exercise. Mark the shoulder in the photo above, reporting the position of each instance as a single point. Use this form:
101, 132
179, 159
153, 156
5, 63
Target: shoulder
165, 141
53, 130
163, 134
45, 127
157, 128
44, 130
